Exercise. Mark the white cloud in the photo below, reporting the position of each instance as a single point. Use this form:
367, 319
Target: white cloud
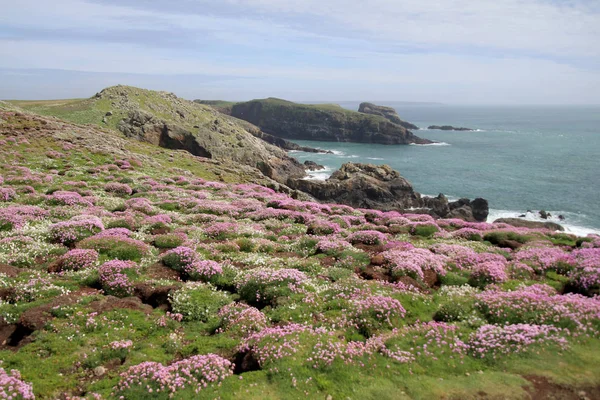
507, 49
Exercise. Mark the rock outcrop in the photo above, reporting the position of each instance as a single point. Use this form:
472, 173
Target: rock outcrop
449, 128
382, 188
523, 223
386, 112
328, 122
166, 120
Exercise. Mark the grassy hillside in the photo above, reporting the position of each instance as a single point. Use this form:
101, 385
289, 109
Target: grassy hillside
124, 265
164, 119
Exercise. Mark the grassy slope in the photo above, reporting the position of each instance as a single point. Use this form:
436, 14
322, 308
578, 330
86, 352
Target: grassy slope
63, 355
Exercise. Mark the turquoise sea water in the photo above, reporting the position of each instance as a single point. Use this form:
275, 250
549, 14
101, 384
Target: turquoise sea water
520, 158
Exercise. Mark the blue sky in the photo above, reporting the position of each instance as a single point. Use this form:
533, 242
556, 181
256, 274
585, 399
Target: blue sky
451, 51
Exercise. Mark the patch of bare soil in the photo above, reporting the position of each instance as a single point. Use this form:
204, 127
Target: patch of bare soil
542, 389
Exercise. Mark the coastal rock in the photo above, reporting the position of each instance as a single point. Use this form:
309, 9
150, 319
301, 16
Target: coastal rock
386, 112
328, 122
382, 188
449, 128
544, 214
523, 223
480, 209
312, 166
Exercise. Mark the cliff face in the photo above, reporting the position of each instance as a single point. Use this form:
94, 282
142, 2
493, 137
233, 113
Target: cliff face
322, 123
386, 112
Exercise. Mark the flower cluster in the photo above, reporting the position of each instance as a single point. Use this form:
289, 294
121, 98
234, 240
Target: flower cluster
195, 373
488, 272
367, 237
76, 229
331, 245
274, 343
7, 194
12, 387
78, 259
377, 312
490, 341
120, 189
220, 230
115, 277
202, 270
539, 304
15, 217
180, 258
543, 259
266, 284
414, 262
241, 318
66, 198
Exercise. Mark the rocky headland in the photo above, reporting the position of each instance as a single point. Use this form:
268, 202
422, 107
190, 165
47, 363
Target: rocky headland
323, 122
382, 188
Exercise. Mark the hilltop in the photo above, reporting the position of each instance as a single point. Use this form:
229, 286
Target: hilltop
163, 119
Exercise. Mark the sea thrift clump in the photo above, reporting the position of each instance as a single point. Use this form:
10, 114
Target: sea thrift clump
153, 379
539, 304
367, 237
78, 259
180, 258
120, 189
140, 204
15, 217
274, 343
414, 262
114, 277
120, 344
543, 258
76, 229
492, 340
586, 275
7, 194
158, 219
66, 198
332, 245
462, 257
266, 284
377, 312
203, 270
220, 230
467, 233
488, 272
241, 318
12, 387
321, 227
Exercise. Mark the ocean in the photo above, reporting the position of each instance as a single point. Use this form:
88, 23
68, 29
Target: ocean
519, 158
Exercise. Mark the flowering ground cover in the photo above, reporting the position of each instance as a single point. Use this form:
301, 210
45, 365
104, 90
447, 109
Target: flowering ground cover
132, 272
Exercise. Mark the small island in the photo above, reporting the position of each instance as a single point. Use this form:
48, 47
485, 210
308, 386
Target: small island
449, 128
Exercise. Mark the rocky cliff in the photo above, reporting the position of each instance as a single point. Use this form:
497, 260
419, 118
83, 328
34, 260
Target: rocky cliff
382, 188
386, 112
321, 122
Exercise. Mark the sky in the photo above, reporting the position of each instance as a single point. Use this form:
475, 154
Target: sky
450, 51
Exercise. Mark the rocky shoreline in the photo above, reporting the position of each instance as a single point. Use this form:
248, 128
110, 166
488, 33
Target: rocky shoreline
380, 187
